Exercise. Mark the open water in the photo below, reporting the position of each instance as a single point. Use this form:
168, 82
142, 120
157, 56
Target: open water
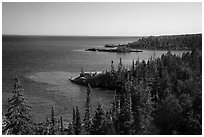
44, 64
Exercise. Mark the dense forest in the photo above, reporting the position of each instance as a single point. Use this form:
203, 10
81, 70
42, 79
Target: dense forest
158, 96
173, 42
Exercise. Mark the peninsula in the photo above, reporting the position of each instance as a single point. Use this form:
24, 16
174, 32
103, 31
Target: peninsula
167, 42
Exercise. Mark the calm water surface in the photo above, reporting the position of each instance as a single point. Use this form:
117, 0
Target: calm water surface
44, 65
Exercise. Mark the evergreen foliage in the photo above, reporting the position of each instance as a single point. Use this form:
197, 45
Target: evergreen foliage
87, 118
77, 123
17, 117
98, 120
172, 42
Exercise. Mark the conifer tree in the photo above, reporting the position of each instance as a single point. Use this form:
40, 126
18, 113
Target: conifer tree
113, 110
74, 117
52, 129
147, 110
125, 118
107, 124
53, 116
18, 117
133, 65
112, 67
98, 121
116, 121
61, 126
77, 126
87, 118
120, 65
142, 108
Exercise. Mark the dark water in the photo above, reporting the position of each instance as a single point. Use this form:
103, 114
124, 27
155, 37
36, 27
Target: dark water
44, 65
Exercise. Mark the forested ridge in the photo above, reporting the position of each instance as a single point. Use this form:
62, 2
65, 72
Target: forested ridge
160, 96
173, 42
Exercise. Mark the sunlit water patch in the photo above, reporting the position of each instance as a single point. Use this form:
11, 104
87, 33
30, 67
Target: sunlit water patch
57, 81
64, 95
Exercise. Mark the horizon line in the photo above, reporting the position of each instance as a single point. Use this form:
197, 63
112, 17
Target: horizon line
98, 35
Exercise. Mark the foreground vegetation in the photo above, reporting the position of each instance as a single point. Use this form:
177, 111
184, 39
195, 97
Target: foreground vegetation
160, 96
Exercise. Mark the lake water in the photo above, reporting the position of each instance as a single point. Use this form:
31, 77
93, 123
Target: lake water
44, 65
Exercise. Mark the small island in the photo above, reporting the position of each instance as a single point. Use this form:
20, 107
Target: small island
114, 48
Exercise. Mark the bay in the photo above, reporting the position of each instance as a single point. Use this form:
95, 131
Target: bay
45, 63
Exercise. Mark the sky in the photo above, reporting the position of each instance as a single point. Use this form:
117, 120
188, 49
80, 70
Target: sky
101, 19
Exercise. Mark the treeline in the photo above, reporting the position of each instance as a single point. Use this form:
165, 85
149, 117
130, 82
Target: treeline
160, 96
173, 42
